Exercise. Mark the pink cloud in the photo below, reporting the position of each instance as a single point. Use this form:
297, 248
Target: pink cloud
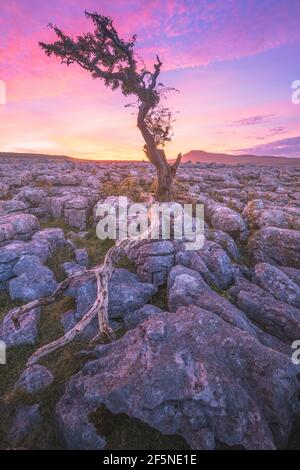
184, 33
45, 97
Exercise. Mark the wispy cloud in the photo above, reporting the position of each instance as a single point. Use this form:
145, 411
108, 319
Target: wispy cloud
271, 133
252, 120
285, 147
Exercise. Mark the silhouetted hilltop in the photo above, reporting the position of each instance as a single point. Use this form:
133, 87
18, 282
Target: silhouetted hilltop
200, 156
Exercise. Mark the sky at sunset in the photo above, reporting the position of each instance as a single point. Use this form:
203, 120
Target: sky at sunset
233, 61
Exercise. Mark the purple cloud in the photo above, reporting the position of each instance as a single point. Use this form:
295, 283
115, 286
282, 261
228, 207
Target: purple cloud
252, 120
289, 147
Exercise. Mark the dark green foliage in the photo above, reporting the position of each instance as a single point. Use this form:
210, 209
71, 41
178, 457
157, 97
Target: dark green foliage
6, 304
61, 255
160, 299
96, 248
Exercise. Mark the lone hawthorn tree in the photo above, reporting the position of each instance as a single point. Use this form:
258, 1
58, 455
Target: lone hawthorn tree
108, 57
112, 59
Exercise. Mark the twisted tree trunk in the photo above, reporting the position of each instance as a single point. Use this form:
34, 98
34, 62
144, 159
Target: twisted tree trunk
165, 172
164, 184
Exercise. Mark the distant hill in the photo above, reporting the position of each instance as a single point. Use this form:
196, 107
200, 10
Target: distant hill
201, 156
195, 156
42, 156
36, 156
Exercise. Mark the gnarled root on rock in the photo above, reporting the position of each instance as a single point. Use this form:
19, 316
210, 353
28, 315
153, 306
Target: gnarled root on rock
103, 274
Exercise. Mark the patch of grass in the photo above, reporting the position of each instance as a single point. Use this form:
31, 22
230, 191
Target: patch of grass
47, 185
15, 363
6, 304
216, 196
124, 433
130, 187
160, 299
7, 197
57, 223
110, 188
50, 326
245, 257
96, 248
222, 292
49, 329
63, 363
60, 256
180, 191
125, 263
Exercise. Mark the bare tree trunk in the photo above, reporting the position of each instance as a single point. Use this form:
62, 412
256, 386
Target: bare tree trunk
165, 177
165, 172
164, 184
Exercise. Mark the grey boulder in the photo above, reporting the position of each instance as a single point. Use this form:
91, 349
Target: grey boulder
277, 283
211, 261
190, 374
138, 316
82, 256
34, 379
125, 294
276, 246
33, 280
23, 331
27, 419
187, 287
154, 261
273, 316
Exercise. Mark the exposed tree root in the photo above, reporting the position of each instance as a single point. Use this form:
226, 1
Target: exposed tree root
103, 274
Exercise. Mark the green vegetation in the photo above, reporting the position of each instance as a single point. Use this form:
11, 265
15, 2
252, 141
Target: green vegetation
6, 304
245, 258
61, 255
96, 248
221, 292
63, 363
217, 196
50, 326
160, 299
125, 263
15, 363
131, 187
7, 196
47, 185
57, 223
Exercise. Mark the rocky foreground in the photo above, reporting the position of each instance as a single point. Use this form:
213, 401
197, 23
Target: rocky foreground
203, 358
